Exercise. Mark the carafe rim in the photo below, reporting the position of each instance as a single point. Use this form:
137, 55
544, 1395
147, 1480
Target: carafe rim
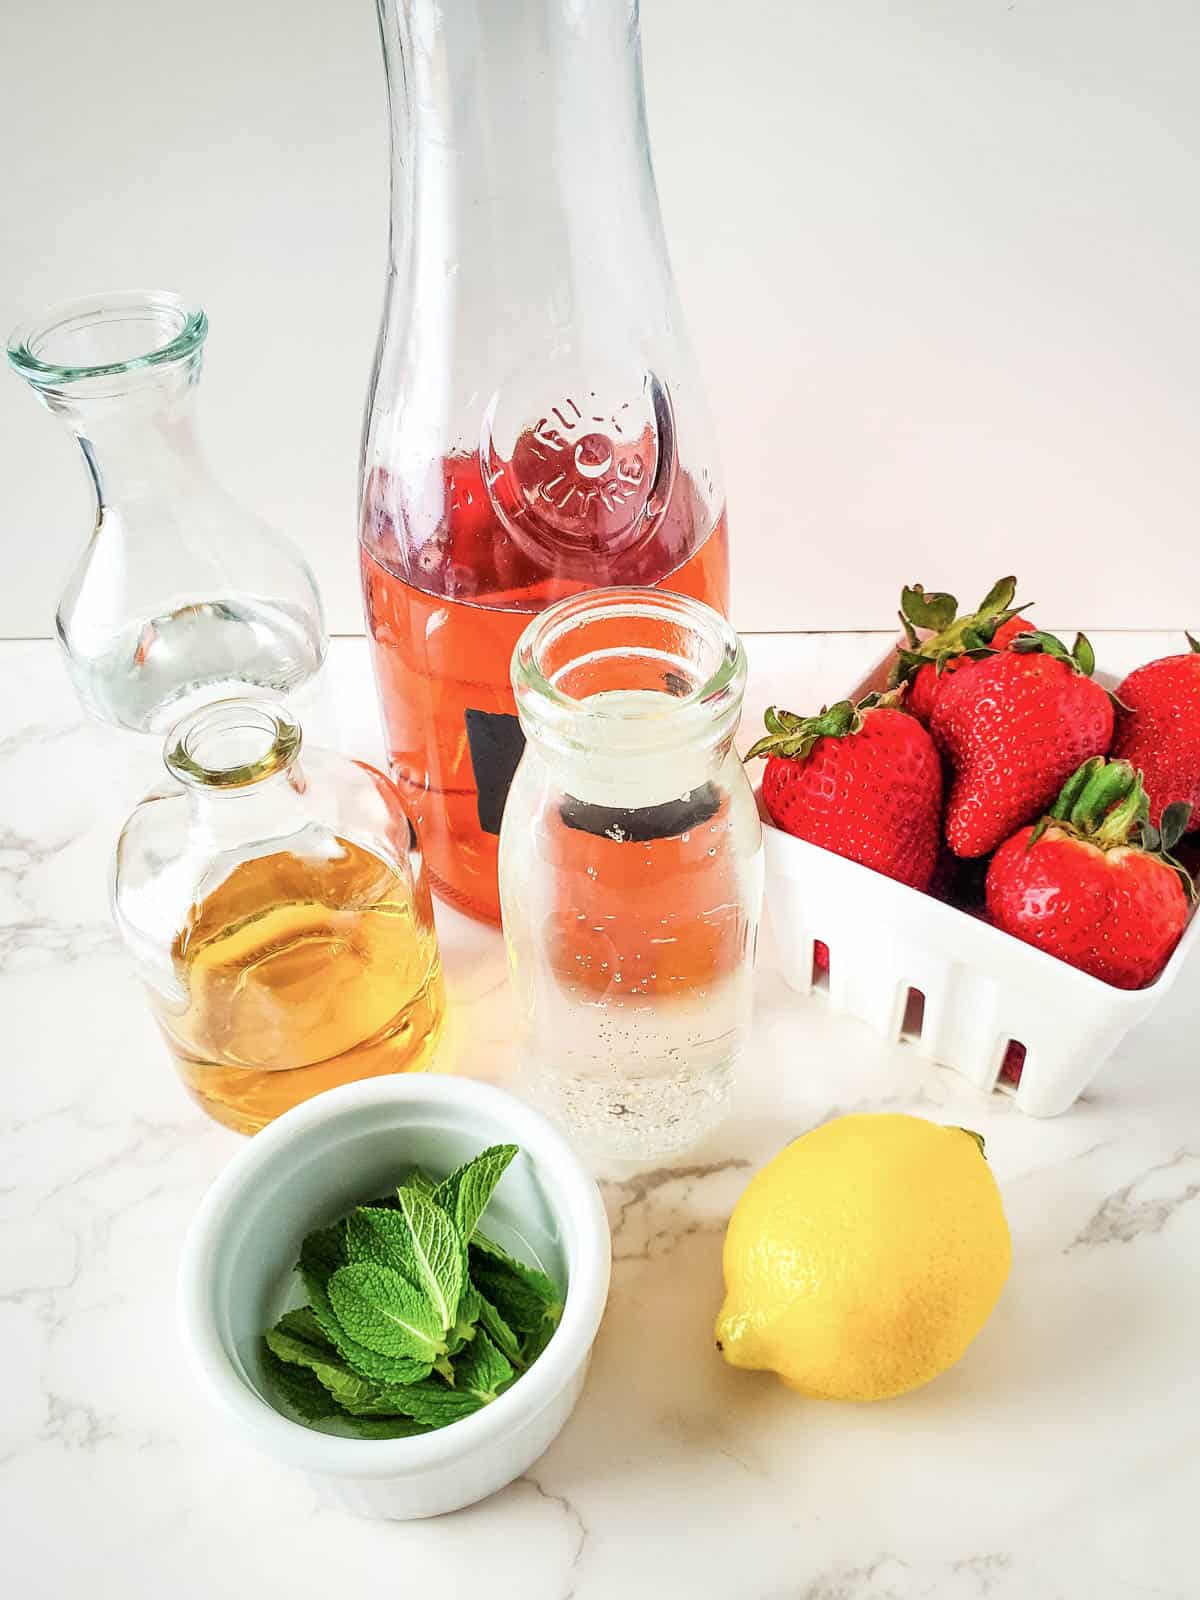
182, 325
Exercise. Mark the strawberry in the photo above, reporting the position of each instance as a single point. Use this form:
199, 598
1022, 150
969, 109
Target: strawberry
952, 640
1158, 730
1013, 727
1093, 883
861, 780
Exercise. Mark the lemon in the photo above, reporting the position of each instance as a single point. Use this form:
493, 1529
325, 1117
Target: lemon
864, 1258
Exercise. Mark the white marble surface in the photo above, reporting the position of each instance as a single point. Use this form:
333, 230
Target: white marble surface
1060, 1459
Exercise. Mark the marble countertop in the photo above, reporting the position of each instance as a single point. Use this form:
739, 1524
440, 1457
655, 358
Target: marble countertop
1061, 1458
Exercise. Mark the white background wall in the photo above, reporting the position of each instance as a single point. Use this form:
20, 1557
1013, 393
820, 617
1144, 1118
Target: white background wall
941, 260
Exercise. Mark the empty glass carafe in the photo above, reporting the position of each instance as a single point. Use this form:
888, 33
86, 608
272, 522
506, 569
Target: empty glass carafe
181, 595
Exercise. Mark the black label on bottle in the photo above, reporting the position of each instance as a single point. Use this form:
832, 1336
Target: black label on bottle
643, 823
495, 741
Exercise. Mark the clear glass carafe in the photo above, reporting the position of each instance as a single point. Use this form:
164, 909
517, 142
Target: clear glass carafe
631, 868
279, 915
181, 595
535, 425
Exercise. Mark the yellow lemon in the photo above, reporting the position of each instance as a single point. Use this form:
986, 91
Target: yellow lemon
864, 1258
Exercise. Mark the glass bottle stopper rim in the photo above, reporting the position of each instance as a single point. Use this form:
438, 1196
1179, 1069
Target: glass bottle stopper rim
231, 744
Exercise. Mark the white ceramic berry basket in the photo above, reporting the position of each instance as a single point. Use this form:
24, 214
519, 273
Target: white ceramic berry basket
914, 967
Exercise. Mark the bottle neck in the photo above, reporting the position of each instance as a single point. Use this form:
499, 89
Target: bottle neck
120, 370
630, 696
523, 122
239, 761
139, 445
272, 809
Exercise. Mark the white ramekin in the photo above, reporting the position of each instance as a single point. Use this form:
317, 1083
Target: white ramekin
346, 1147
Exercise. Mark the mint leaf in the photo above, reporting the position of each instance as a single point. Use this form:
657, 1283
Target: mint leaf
387, 1370
346, 1387
482, 1370
303, 1325
414, 1178
298, 1388
470, 1306
466, 1192
436, 1403
501, 1334
419, 1240
321, 1254
440, 1264
524, 1296
373, 1233
379, 1308
533, 1343
324, 1251
389, 1427
407, 1328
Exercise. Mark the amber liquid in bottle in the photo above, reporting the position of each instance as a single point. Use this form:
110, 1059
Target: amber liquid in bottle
442, 646
301, 973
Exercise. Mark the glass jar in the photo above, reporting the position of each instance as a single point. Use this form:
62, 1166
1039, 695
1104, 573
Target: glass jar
181, 595
631, 868
279, 916
536, 426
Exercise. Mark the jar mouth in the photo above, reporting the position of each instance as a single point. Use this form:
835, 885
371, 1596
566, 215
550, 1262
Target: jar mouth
629, 668
107, 335
231, 744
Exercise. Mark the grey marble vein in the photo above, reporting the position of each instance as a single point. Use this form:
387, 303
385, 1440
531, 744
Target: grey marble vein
574, 1519
61, 942
629, 1193
1125, 1214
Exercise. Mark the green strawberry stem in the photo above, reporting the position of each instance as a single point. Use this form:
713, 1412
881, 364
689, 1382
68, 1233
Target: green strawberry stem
950, 634
793, 736
1080, 656
1104, 800
1105, 803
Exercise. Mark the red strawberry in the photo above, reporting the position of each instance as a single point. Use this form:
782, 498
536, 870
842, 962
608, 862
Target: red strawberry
925, 685
924, 663
1158, 730
1013, 1063
1013, 728
1092, 883
863, 781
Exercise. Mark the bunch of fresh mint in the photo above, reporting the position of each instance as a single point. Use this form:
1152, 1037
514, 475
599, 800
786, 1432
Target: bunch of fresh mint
414, 1319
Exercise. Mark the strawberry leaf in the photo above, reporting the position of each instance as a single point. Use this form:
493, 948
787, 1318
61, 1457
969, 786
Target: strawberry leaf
1172, 825
934, 610
999, 598
793, 736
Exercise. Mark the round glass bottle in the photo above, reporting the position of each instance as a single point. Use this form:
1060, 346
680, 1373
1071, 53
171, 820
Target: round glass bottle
181, 595
631, 868
279, 916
